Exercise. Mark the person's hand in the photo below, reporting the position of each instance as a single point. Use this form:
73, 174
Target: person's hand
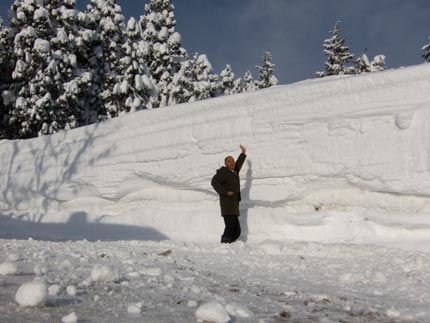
230, 193
243, 148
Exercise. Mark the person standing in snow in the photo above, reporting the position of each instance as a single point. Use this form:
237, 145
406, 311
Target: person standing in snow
226, 183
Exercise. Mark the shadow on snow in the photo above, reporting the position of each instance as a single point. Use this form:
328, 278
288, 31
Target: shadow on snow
77, 228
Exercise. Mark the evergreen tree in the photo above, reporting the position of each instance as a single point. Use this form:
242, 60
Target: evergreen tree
163, 51
237, 86
426, 50
364, 65
338, 55
378, 63
43, 63
249, 84
6, 66
227, 83
134, 88
105, 19
69, 44
266, 77
195, 81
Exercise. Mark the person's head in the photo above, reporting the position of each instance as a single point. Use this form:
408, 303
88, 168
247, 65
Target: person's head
229, 162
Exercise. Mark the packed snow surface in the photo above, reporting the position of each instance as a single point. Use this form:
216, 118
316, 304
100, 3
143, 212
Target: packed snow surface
335, 210
267, 282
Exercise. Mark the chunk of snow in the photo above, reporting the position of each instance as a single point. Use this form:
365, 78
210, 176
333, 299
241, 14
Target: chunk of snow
8, 268
212, 312
53, 290
71, 290
134, 308
33, 293
392, 313
103, 273
71, 318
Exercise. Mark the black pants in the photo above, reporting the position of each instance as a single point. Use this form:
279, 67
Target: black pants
232, 229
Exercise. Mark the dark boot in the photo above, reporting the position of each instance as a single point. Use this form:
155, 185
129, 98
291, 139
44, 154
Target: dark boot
232, 229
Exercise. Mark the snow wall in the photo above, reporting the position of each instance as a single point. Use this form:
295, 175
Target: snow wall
317, 149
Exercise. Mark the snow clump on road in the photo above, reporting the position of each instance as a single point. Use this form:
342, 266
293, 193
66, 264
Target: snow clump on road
212, 312
32, 294
71, 318
8, 268
103, 273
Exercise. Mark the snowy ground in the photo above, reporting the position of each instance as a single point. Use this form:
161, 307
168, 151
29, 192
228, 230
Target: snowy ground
266, 282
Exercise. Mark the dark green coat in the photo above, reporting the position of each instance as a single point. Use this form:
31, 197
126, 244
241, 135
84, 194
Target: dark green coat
228, 181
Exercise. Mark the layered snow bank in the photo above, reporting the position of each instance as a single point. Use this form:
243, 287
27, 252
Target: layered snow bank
328, 159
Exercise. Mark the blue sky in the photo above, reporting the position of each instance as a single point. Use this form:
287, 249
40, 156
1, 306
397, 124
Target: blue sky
237, 32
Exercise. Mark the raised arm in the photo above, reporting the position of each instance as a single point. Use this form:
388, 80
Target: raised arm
243, 149
241, 159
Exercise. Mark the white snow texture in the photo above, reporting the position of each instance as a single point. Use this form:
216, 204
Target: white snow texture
346, 150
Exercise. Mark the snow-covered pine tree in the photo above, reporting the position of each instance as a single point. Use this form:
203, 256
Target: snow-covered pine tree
266, 76
338, 55
195, 81
69, 45
227, 83
42, 65
135, 88
163, 52
364, 65
237, 86
426, 50
6, 67
378, 63
105, 20
248, 83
